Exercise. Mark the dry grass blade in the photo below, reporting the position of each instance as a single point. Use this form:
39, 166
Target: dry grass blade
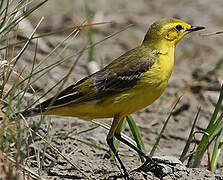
213, 33
20, 18
31, 173
54, 32
16, 58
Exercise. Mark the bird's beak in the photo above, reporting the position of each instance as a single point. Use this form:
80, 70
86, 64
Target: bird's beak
195, 28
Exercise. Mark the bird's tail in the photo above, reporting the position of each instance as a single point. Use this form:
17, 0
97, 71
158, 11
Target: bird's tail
30, 112
26, 113
37, 110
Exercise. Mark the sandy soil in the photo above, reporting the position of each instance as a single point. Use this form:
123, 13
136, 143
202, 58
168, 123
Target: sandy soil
195, 56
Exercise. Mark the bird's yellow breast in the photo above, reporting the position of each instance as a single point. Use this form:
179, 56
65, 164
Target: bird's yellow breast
152, 84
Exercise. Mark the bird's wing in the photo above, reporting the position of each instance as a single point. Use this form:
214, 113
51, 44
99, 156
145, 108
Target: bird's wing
122, 74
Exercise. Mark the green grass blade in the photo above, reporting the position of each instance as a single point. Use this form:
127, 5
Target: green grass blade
163, 129
211, 129
21, 17
217, 127
106, 126
89, 144
217, 109
1, 5
44, 149
31, 71
87, 130
190, 138
5, 16
89, 33
218, 66
137, 136
216, 152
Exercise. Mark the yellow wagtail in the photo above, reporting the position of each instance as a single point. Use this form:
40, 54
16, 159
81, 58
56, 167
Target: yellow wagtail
131, 82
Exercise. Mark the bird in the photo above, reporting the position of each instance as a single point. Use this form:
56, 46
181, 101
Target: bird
131, 82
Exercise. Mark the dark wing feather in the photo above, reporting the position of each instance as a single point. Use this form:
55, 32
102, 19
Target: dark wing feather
121, 81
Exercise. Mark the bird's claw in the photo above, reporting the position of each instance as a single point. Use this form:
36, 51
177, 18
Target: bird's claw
126, 176
159, 166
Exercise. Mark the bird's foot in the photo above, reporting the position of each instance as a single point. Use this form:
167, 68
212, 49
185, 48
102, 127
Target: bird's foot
159, 166
126, 176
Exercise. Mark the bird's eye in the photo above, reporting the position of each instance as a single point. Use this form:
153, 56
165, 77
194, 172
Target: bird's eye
179, 27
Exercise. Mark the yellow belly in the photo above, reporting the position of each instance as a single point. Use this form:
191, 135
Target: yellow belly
123, 104
142, 95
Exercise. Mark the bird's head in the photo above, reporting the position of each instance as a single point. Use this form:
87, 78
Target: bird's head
169, 31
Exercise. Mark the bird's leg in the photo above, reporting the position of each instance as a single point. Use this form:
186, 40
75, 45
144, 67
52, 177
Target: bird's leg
110, 143
120, 138
154, 164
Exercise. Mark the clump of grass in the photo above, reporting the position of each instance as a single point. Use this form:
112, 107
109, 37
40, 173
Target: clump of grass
88, 13
12, 132
16, 135
211, 135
